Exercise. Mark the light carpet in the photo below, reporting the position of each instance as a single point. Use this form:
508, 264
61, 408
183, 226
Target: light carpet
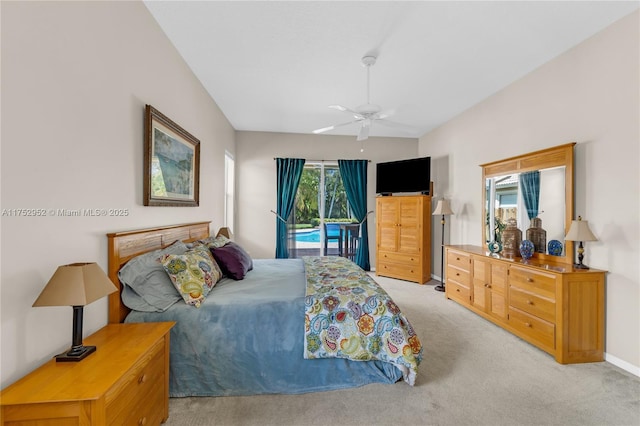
473, 373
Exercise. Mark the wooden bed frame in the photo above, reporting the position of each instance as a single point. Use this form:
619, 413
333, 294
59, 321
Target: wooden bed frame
123, 246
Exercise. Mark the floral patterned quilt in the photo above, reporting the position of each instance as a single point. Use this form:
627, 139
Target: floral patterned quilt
348, 315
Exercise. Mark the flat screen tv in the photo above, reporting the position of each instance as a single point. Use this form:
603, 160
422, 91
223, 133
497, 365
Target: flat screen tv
413, 175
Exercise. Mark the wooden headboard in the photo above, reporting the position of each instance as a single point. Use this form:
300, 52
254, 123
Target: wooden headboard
123, 246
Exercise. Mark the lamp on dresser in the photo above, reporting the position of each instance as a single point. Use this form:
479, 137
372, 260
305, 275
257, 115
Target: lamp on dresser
76, 285
442, 208
579, 231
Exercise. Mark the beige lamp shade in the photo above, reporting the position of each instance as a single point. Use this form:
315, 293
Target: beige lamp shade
77, 284
226, 232
579, 231
443, 208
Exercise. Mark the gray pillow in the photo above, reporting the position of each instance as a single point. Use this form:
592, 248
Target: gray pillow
147, 286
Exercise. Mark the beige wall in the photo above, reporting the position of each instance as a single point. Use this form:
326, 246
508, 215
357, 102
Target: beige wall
256, 177
588, 95
75, 79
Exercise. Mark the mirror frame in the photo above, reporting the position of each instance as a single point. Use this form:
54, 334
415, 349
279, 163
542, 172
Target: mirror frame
558, 156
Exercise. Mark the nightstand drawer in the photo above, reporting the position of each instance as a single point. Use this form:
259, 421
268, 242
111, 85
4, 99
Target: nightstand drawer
533, 304
127, 401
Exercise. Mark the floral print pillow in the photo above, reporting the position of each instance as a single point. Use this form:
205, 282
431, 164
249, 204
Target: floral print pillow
215, 242
193, 273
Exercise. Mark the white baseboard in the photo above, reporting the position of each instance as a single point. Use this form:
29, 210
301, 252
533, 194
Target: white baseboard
626, 366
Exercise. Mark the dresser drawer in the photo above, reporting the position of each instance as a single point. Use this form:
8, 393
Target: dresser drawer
536, 329
458, 292
133, 399
534, 282
533, 304
460, 276
459, 259
388, 258
395, 270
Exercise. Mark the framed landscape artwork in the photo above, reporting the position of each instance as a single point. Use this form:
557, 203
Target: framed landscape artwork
171, 162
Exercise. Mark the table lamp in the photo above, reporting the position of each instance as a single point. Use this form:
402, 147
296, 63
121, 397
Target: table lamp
442, 208
225, 232
76, 285
579, 231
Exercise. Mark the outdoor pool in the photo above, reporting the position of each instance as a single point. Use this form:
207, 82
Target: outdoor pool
312, 235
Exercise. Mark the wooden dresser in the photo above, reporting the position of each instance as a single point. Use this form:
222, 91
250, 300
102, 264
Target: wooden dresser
404, 237
126, 381
556, 307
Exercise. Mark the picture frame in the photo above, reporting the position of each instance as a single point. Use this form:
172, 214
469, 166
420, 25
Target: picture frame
171, 163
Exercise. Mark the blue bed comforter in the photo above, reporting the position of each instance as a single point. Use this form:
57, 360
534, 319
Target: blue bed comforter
247, 338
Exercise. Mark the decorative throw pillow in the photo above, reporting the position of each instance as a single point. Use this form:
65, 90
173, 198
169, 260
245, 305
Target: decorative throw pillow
193, 274
234, 261
215, 242
146, 285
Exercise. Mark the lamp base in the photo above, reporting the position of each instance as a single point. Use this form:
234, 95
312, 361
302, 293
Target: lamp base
75, 354
439, 287
580, 266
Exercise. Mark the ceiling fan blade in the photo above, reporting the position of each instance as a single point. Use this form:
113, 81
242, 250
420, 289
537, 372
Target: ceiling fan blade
364, 130
384, 114
355, 113
326, 129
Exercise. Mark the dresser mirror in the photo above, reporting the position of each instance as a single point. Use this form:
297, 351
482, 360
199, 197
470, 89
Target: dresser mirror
535, 190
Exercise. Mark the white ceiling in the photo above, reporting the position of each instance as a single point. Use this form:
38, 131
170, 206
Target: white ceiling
276, 65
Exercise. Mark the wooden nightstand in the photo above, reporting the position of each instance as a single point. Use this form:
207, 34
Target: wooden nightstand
126, 381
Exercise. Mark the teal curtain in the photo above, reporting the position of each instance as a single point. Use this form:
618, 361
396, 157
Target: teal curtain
354, 179
530, 188
289, 171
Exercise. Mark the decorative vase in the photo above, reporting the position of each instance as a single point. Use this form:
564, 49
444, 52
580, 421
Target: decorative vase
537, 235
511, 238
555, 248
495, 247
526, 249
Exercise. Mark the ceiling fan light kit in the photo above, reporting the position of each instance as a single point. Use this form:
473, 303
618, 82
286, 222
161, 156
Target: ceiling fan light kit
364, 115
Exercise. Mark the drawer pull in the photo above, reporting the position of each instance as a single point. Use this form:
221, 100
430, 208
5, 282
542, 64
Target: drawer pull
142, 421
457, 274
142, 379
457, 258
529, 302
526, 324
529, 280
457, 289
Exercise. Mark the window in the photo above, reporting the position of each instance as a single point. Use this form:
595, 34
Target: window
320, 199
229, 190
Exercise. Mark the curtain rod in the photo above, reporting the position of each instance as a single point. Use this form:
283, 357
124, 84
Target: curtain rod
327, 161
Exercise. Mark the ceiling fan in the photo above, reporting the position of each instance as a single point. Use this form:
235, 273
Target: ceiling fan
365, 114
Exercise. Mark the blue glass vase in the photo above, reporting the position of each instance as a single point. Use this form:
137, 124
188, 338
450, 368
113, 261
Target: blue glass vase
526, 249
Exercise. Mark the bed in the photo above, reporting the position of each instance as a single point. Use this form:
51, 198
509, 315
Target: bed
282, 329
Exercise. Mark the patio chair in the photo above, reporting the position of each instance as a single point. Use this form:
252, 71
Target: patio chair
352, 238
332, 233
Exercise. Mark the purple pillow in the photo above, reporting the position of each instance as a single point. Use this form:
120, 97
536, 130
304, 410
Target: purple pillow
234, 261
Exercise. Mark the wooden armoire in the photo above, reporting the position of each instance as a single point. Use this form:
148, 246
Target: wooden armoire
403, 247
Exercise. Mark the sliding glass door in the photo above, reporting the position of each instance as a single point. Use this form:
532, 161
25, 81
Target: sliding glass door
321, 204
